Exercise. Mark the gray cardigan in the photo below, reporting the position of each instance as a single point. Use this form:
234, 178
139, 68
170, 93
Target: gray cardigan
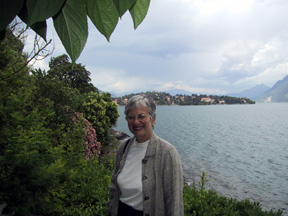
162, 179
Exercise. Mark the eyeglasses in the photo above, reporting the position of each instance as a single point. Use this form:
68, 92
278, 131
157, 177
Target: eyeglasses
140, 117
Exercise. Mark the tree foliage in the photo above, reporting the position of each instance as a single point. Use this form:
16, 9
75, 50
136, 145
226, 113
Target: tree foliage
44, 151
10, 56
75, 76
70, 18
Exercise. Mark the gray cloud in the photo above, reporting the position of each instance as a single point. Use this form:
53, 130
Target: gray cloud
208, 45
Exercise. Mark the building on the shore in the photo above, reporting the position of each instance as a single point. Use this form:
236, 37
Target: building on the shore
207, 100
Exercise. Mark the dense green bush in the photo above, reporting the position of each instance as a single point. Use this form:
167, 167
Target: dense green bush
87, 194
100, 110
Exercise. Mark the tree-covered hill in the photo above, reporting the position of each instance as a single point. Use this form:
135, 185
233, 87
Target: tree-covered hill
163, 98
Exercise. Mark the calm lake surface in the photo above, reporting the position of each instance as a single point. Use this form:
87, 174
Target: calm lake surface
243, 149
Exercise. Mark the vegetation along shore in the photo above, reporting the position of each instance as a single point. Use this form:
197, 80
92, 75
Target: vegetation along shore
164, 98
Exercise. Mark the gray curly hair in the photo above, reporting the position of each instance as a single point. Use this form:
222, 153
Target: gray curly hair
141, 100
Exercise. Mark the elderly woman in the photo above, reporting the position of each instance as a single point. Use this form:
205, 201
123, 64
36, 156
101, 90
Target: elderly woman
148, 177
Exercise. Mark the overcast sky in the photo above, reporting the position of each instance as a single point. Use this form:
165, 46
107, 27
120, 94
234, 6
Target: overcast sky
202, 46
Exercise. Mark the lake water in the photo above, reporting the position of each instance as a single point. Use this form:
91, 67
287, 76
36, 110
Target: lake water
243, 149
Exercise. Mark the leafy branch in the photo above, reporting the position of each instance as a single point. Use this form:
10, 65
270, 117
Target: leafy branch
39, 50
70, 18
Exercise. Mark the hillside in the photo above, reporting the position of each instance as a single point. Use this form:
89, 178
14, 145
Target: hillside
252, 93
278, 93
164, 98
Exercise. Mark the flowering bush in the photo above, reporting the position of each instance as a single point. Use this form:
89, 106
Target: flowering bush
100, 110
91, 146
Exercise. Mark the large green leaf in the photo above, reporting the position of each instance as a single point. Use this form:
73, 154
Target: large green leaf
2, 35
40, 27
104, 15
72, 28
41, 10
139, 11
123, 5
8, 10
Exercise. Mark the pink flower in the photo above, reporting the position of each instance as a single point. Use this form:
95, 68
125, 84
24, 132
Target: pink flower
91, 146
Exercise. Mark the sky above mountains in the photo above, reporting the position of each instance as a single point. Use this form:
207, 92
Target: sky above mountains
201, 46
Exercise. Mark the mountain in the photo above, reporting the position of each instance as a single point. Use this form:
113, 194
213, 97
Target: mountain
113, 94
252, 93
174, 92
278, 93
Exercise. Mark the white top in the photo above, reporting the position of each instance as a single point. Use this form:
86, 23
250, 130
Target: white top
130, 178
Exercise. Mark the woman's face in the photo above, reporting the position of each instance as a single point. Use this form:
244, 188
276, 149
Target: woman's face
140, 123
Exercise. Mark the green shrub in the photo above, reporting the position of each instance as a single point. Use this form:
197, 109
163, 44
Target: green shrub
208, 203
87, 194
100, 110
